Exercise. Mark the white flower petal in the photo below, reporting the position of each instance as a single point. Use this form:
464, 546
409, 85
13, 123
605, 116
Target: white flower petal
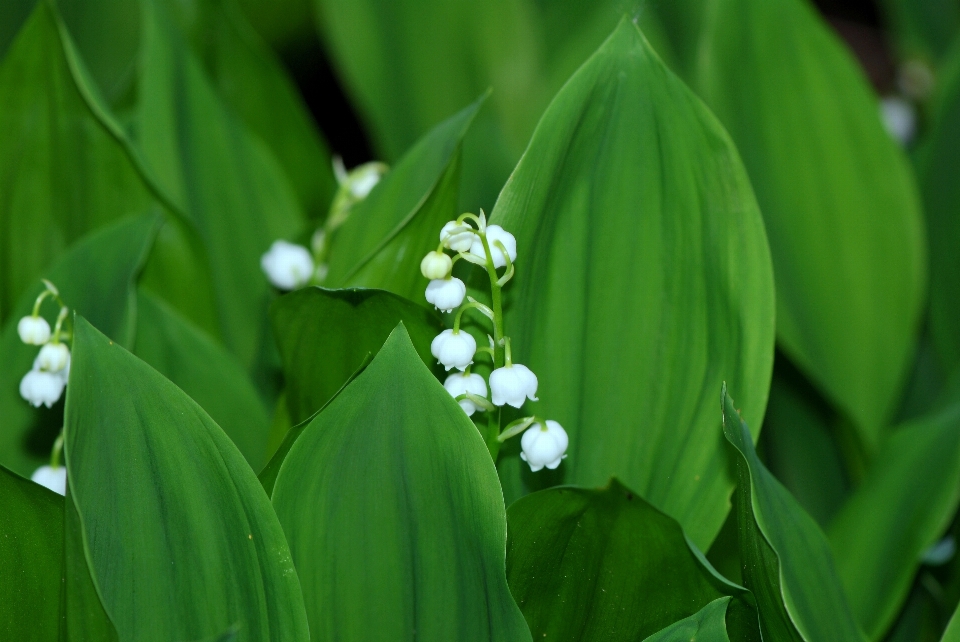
544, 445
287, 266
454, 350
446, 294
53, 478
33, 331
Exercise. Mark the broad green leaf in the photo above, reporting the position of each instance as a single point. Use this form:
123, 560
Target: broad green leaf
31, 560
706, 625
388, 233
901, 508
643, 281
61, 174
395, 520
837, 195
952, 634
15, 14
181, 539
787, 563
95, 277
204, 370
604, 565
324, 335
223, 177
922, 29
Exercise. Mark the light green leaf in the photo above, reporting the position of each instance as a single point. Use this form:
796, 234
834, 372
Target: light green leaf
150, 471
324, 335
31, 559
201, 368
952, 634
902, 508
706, 625
604, 565
643, 281
394, 516
95, 277
837, 195
785, 556
222, 176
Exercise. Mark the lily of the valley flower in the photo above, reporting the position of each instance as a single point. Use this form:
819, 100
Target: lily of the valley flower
459, 383
458, 238
53, 478
512, 385
494, 234
900, 119
544, 444
287, 266
454, 349
53, 357
40, 387
446, 294
33, 330
436, 265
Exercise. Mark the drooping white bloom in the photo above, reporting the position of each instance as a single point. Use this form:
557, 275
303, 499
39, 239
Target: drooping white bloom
436, 265
446, 294
42, 387
287, 266
496, 233
364, 178
900, 119
544, 445
458, 238
459, 383
513, 385
53, 357
454, 349
34, 331
53, 478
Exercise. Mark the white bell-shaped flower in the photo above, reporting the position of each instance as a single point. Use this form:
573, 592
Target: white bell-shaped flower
496, 233
454, 349
459, 383
53, 357
436, 265
34, 331
364, 178
544, 445
458, 238
446, 294
287, 266
41, 387
899, 118
513, 385
53, 478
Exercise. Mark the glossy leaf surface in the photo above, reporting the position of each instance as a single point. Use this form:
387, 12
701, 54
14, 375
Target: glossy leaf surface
643, 281
837, 196
706, 625
149, 472
787, 562
394, 516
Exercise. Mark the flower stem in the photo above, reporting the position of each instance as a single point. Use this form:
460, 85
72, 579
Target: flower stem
496, 297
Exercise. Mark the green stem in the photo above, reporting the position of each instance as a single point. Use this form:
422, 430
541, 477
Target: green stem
493, 424
57, 450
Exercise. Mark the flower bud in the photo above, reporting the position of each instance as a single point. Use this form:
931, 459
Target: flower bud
446, 294
454, 349
40, 387
496, 233
513, 385
899, 118
544, 445
361, 180
53, 478
287, 266
436, 265
459, 383
458, 238
53, 357
34, 331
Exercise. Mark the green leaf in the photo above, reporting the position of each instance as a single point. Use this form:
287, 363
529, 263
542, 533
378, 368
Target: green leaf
837, 195
604, 565
95, 277
786, 559
15, 14
902, 508
223, 177
31, 556
150, 472
706, 625
643, 281
388, 233
206, 371
324, 335
61, 174
922, 29
952, 634
394, 516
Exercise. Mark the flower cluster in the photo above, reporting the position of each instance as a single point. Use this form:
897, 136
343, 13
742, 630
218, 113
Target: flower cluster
44, 383
469, 238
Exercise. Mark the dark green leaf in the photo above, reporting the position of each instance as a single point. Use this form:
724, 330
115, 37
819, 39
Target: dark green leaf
922, 29
643, 281
837, 195
706, 625
787, 562
31, 560
604, 565
181, 540
394, 516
